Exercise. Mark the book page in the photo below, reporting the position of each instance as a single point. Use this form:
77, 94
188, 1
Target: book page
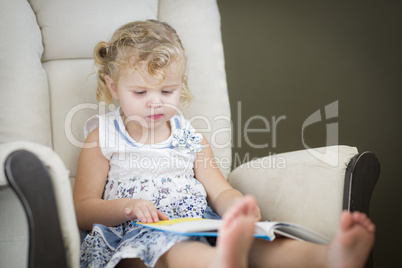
265, 228
185, 225
300, 233
208, 227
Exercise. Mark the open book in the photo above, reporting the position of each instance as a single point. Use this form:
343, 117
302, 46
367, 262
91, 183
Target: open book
266, 229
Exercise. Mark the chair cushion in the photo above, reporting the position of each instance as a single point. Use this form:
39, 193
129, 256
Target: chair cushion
24, 94
304, 187
72, 102
71, 29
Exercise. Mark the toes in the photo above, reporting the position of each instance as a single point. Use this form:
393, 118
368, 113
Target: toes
363, 220
250, 205
346, 220
245, 207
232, 212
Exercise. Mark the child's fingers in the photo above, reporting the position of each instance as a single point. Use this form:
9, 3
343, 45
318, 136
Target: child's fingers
161, 215
138, 213
129, 214
146, 215
154, 215
144, 211
149, 214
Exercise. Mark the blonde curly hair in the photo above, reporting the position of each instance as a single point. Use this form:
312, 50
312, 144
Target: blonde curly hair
151, 44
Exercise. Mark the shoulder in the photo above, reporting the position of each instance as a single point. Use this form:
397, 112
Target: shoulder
91, 124
93, 136
96, 142
91, 151
92, 148
100, 121
92, 141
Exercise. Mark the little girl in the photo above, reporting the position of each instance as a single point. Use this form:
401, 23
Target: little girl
145, 162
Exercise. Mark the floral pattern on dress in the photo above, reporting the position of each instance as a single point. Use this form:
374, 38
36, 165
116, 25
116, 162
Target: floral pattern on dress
140, 242
106, 246
187, 139
173, 191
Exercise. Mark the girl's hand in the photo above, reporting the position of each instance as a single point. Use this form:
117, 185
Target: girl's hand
143, 210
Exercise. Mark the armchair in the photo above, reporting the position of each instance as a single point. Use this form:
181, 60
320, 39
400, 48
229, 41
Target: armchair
48, 92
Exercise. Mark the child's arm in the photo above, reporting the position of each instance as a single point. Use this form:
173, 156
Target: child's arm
220, 194
90, 181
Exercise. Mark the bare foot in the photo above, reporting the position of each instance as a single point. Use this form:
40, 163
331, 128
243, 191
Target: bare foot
353, 242
236, 234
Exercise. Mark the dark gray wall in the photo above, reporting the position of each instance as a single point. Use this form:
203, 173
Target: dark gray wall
292, 58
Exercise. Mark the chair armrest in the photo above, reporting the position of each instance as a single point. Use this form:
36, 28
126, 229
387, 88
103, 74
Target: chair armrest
361, 176
40, 180
298, 186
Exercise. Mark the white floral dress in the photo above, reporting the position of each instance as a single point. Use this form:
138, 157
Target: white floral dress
161, 173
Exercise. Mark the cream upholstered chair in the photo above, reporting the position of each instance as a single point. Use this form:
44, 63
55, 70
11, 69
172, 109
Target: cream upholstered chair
47, 92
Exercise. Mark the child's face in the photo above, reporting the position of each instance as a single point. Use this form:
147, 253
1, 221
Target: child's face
144, 103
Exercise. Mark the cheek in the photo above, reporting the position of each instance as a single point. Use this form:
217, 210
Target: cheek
174, 101
131, 106
174, 104
175, 98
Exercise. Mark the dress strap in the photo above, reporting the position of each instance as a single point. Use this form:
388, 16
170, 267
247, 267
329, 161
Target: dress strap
176, 122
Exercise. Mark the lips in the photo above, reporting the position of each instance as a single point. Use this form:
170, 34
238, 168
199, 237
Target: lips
155, 116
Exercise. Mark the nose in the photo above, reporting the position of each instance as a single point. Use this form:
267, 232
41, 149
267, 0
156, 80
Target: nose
154, 101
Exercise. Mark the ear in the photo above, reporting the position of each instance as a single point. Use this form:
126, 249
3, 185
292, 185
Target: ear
112, 87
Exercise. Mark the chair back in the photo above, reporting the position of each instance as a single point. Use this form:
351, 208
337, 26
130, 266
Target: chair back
48, 90
47, 71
